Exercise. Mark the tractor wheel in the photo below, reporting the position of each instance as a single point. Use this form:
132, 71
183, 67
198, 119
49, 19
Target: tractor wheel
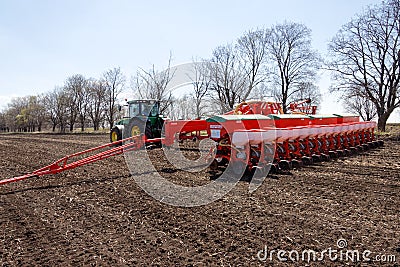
285, 165
274, 168
333, 154
115, 135
296, 164
306, 160
365, 146
137, 127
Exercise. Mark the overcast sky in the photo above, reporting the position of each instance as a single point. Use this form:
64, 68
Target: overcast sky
44, 42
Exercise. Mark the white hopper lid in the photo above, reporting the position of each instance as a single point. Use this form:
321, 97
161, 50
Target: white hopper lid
256, 136
337, 128
240, 138
322, 130
279, 133
356, 126
360, 125
352, 127
269, 134
345, 128
304, 131
371, 124
329, 129
364, 125
294, 133
282, 134
315, 130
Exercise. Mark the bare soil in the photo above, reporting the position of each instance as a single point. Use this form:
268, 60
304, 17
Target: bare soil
98, 215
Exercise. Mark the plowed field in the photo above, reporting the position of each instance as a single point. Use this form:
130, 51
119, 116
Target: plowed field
98, 215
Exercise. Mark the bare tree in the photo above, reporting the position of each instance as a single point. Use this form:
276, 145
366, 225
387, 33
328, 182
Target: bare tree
62, 108
24, 119
50, 100
228, 77
365, 54
57, 104
293, 59
10, 119
97, 102
15, 118
36, 112
75, 88
3, 123
153, 84
360, 105
25, 114
83, 104
201, 82
114, 81
307, 90
252, 47
181, 108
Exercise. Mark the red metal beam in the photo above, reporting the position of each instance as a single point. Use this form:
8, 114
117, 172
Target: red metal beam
63, 164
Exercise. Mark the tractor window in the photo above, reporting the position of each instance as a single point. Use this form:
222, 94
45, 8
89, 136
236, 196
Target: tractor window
134, 109
154, 110
149, 109
146, 109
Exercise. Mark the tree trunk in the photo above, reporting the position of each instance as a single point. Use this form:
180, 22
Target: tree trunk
198, 115
96, 126
382, 119
82, 120
284, 104
110, 119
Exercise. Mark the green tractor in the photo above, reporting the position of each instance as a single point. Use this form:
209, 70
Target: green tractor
141, 117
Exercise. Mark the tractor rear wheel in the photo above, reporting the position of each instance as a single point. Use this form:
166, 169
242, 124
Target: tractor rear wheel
115, 135
137, 127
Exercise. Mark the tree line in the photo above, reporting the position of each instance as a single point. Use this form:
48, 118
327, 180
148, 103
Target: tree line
79, 102
274, 62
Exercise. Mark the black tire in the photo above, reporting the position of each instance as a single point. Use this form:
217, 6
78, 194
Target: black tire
306, 160
285, 165
296, 164
115, 135
137, 127
333, 154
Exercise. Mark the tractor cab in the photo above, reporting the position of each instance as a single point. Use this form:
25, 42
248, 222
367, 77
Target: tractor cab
147, 108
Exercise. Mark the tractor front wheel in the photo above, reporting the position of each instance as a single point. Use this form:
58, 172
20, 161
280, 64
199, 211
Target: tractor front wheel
115, 135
